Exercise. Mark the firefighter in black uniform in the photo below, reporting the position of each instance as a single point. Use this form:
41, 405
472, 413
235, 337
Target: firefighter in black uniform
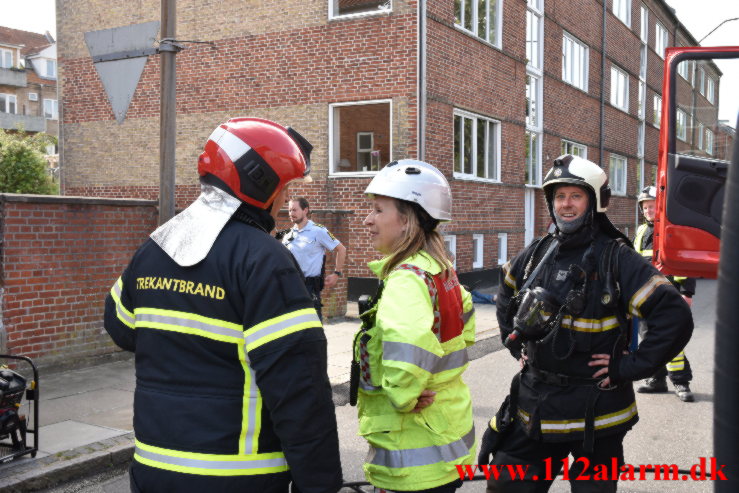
566, 298
679, 367
231, 386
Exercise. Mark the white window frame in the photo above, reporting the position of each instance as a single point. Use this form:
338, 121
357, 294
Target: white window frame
619, 88
700, 136
681, 125
535, 38
644, 28
333, 11
710, 89
368, 151
7, 102
661, 39
615, 179
54, 113
478, 262
450, 241
568, 147
491, 126
641, 110
332, 133
622, 11
643, 63
502, 248
709, 142
533, 102
640, 185
683, 68
533, 161
641, 132
4, 54
575, 56
492, 33
32, 96
52, 63
657, 110
701, 81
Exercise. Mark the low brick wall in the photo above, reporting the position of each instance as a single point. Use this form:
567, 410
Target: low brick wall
60, 255
58, 259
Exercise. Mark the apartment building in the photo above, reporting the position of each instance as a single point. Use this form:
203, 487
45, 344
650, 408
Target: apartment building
28, 77
489, 91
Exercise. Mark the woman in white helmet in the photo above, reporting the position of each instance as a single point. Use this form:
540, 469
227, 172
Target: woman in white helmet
414, 409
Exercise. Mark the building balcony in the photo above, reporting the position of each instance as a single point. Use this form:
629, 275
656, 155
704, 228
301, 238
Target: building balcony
10, 121
11, 77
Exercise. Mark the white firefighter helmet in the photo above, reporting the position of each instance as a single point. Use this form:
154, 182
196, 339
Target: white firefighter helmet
573, 170
648, 193
415, 181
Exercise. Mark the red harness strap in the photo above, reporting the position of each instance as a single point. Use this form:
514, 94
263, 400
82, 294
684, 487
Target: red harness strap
446, 298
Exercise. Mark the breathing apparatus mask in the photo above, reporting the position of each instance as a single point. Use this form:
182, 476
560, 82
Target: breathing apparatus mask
533, 317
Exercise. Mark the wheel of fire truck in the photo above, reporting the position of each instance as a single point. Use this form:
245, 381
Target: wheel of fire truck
18, 381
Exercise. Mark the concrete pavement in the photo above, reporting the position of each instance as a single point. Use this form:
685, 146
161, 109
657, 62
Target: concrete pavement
86, 415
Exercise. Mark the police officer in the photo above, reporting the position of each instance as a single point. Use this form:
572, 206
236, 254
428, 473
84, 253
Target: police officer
231, 386
309, 242
679, 368
562, 310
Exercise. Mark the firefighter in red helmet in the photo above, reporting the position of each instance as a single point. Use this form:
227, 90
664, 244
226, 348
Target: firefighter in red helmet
231, 386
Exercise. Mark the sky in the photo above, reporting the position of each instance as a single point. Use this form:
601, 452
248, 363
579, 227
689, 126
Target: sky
699, 16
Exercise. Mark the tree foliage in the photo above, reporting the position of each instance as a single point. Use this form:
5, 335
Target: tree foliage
23, 168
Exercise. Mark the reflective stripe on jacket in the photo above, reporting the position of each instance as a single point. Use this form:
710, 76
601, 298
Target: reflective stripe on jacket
412, 451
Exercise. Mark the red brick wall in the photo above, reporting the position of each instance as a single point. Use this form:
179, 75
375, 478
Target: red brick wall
60, 256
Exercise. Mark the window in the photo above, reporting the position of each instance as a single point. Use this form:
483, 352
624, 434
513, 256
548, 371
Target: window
657, 110
643, 63
8, 103
641, 111
709, 141
701, 81
681, 125
700, 136
644, 30
479, 17
51, 149
640, 172
683, 68
476, 146
619, 89
477, 260
710, 90
451, 247
51, 109
575, 149
622, 10
6, 58
660, 39
533, 38
365, 146
533, 159
574, 62
32, 96
640, 134
360, 136
502, 248
339, 8
51, 68
617, 174
532, 102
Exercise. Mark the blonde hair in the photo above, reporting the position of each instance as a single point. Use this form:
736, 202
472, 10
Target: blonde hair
417, 238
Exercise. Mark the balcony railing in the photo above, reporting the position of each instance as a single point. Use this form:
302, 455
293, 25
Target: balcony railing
10, 121
11, 77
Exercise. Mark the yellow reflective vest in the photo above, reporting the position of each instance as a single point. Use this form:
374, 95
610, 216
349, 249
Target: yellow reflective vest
403, 357
648, 252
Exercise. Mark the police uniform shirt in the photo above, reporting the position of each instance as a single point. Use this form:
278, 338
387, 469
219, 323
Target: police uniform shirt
308, 245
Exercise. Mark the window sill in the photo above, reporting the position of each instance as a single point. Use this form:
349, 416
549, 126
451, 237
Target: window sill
464, 177
474, 36
352, 174
359, 15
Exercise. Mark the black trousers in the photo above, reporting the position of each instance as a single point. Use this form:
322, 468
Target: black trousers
314, 286
542, 461
444, 488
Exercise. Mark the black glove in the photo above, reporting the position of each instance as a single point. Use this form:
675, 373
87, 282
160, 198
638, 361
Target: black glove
486, 446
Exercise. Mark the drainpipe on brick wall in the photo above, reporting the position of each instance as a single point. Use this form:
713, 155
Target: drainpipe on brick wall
421, 80
602, 85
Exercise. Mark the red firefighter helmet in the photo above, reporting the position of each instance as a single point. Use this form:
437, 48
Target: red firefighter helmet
253, 159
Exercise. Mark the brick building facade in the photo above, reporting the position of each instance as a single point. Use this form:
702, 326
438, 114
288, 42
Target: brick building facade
489, 91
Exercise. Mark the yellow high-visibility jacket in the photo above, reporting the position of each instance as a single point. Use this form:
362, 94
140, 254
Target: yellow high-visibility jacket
401, 356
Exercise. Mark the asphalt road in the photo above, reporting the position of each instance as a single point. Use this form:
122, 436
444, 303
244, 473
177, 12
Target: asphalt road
669, 431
